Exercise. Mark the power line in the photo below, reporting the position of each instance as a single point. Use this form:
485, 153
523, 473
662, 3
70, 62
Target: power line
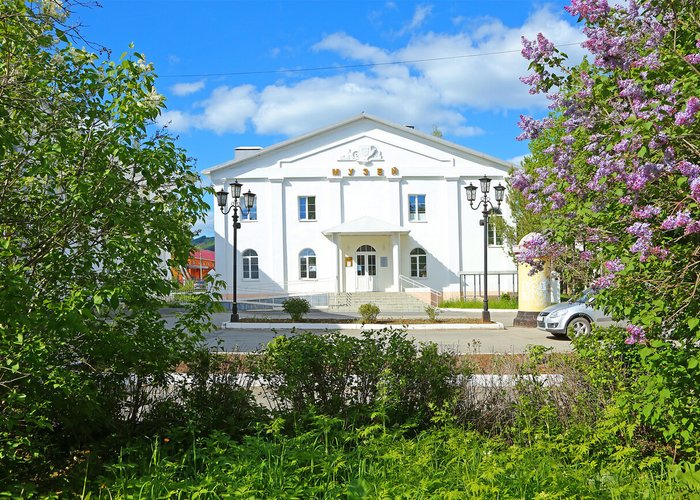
347, 66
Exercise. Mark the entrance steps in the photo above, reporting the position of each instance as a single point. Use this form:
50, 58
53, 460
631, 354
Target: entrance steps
388, 302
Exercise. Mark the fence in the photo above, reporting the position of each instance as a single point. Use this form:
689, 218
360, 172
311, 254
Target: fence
471, 284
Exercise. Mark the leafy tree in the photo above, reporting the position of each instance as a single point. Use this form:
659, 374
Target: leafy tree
92, 197
623, 182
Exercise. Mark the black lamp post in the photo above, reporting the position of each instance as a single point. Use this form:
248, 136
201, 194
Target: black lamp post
486, 203
249, 201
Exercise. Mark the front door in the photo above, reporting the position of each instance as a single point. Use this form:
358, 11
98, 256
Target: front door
365, 268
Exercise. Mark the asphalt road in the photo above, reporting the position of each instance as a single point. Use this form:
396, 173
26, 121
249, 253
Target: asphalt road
470, 341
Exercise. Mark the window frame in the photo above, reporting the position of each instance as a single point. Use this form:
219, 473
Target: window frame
245, 214
250, 260
415, 215
417, 255
494, 238
306, 204
305, 264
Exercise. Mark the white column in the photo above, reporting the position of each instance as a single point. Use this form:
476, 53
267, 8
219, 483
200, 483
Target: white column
453, 226
278, 231
396, 261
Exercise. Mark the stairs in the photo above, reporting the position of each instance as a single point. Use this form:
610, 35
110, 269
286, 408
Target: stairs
388, 302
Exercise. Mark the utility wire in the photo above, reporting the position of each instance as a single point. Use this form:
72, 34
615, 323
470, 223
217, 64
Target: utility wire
348, 66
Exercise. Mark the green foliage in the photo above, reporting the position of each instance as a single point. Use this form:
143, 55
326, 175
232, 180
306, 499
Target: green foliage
92, 197
432, 312
382, 375
368, 312
504, 302
296, 307
330, 461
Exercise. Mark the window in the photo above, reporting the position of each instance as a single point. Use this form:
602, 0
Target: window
250, 265
416, 207
495, 236
253, 214
307, 264
307, 208
419, 263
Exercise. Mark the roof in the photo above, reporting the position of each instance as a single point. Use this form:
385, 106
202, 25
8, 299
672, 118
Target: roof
400, 128
366, 225
203, 254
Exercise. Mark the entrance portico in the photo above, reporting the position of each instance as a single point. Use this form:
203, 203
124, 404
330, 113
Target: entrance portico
369, 255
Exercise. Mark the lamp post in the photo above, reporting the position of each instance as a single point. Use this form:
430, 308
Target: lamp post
485, 201
249, 201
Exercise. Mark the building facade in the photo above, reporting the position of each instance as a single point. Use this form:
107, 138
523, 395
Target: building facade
363, 205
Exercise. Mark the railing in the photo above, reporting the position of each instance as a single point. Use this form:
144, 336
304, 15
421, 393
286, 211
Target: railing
502, 280
406, 282
253, 295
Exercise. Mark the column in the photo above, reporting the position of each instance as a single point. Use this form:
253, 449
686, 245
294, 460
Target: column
396, 261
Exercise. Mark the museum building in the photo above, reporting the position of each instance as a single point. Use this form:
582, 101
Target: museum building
363, 205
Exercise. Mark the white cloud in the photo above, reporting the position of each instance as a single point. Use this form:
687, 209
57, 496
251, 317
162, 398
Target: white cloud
205, 226
517, 160
181, 89
419, 16
436, 91
176, 121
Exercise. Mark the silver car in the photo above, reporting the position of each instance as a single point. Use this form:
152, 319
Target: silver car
572, 318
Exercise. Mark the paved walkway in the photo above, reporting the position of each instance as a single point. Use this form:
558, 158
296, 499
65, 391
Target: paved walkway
468, 340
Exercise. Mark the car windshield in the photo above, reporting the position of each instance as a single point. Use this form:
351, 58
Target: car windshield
585, 296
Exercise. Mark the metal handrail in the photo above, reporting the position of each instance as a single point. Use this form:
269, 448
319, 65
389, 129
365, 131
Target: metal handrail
435, 295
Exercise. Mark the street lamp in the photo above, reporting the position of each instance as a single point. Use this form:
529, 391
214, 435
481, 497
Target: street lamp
485, 184
248, 201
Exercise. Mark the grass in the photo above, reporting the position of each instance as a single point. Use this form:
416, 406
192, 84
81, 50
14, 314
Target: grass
444, 462
497, 303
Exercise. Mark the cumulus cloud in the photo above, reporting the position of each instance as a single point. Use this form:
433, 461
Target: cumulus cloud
433, 90
181, 89
419, 16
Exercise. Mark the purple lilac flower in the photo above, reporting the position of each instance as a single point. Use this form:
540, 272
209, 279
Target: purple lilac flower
586, 255
534, 81
692, 228
688, 169
531, 127
603, 282
636, 335
680, 219
646, 212
687, 116
692, 58
695, 189
614, 266
536, 50
591, 10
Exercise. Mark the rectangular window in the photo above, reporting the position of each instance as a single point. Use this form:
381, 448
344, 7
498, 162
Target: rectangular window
307, 208
416, 207
495, 237
252, 214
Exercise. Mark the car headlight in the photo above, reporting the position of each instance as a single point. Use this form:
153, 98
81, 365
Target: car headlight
557, 314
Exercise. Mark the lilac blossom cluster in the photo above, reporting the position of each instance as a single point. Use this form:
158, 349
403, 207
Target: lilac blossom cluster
630, 146
635, 335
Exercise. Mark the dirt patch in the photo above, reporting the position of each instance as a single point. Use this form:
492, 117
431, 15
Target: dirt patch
385, 321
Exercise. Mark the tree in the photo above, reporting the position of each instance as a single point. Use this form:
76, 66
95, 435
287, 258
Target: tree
92, 196
621, 182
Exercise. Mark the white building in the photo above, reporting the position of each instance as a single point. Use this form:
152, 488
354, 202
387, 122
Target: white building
362, 205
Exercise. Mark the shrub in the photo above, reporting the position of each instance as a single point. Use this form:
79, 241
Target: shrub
432, 312
369, 312
296, 307
382, 373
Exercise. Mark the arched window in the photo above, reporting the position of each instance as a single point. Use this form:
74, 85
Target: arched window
495, 237
419, 263
307, 264
250, 265
366, 248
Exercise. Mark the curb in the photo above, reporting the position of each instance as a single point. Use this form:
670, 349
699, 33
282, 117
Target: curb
357, 326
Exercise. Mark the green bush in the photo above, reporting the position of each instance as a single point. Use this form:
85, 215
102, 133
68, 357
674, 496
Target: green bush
369, 312
432, 312
382, 373
296, 307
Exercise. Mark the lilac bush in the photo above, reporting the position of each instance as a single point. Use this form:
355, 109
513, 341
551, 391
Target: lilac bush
616, 168
614, 176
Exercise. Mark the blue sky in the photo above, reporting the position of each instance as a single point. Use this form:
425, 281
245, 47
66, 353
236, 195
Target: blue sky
245, 73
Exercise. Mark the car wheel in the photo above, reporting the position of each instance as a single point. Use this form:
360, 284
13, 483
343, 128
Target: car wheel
577, 327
